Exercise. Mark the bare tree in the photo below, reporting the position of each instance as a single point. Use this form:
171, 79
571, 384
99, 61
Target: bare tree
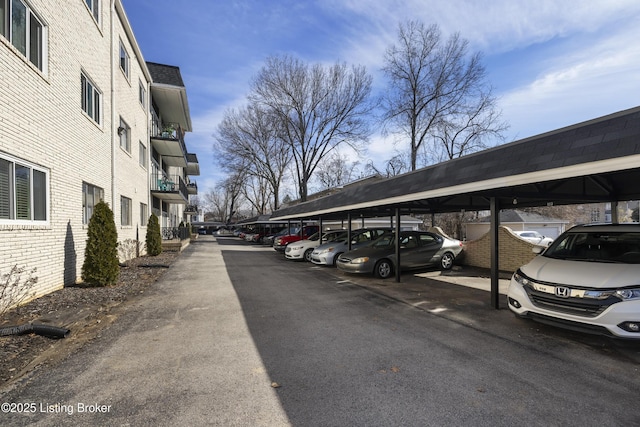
317, 108
248, 143
257, 191
223, 202
335, 170
215, 204
396, 165
438, 93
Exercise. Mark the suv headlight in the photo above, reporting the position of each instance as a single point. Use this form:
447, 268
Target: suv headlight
521, 278
628, 294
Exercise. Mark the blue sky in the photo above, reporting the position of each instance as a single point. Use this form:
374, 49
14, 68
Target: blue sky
552, 63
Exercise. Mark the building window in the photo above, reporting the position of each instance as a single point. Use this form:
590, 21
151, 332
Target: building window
91, 98
124, 131
144, 214
124, 60
94, 7
142, 155
125, 211
22, 27
24, 191
142, 94
91, 195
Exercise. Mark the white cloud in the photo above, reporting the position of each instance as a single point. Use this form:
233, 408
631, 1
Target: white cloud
578, 85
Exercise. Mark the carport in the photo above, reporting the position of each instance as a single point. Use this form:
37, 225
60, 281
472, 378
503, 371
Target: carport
591, 162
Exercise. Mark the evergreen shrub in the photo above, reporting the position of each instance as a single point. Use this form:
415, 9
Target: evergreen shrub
101, 267
154, 239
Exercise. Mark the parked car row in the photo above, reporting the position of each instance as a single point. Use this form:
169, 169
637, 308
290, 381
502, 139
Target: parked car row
302, 249
370, 250
588, 279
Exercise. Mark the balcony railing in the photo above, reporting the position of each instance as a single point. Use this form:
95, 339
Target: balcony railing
173, 184
170, 233
169, 139
192, 187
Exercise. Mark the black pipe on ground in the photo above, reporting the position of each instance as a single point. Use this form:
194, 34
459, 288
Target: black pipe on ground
36, 328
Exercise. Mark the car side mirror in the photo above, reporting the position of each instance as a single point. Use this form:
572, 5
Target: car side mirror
537, 250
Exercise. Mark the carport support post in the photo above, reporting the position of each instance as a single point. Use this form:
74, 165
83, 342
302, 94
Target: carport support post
398, 245
349, 232
495, 276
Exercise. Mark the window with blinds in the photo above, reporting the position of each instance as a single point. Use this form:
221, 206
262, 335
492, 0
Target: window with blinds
23, 191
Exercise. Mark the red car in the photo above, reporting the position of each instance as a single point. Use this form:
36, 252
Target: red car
280, 243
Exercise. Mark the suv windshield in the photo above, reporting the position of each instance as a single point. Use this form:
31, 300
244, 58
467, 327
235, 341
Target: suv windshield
622, 247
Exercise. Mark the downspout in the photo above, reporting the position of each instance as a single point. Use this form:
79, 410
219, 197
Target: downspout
113, 110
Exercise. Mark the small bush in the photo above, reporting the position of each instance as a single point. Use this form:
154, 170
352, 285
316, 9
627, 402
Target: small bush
129, 249
154, 239
101, 267
14, 289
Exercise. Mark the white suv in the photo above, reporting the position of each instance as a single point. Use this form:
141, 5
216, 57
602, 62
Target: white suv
587, 280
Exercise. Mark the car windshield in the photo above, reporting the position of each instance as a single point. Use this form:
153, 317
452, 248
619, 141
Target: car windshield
332, 237
619, 247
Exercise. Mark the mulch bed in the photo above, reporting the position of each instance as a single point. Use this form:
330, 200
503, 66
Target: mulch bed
84, 310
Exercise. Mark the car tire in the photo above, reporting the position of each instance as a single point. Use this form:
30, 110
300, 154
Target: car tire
446, 262
384, 269
335, 258
307, 254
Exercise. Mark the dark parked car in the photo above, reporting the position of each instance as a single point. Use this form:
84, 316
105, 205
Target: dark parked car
418, 249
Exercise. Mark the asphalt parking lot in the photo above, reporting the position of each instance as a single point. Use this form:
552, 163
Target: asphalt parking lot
234, 334
463, 295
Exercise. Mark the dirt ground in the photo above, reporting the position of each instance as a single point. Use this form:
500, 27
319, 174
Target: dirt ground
85, 311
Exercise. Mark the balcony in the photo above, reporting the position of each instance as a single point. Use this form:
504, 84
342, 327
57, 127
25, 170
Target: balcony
193, 167
170, 188
192, 188
168, 141
191, 209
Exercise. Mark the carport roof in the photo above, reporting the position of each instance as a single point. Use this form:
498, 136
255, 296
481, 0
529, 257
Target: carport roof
593, 161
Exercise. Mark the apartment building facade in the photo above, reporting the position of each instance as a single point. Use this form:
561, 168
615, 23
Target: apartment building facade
77, 111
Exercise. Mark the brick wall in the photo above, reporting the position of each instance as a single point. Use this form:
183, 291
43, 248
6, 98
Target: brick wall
42, 123
131, 178
514, 252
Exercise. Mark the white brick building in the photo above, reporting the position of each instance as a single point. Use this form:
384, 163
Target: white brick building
80, 120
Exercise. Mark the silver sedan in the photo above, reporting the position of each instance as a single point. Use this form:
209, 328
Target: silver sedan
418, 249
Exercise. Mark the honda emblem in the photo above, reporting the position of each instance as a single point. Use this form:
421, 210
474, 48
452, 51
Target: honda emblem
563, 292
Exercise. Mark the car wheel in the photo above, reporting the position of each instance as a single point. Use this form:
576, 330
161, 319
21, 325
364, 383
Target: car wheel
335, 258
446, 262
307, 254
384, 269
